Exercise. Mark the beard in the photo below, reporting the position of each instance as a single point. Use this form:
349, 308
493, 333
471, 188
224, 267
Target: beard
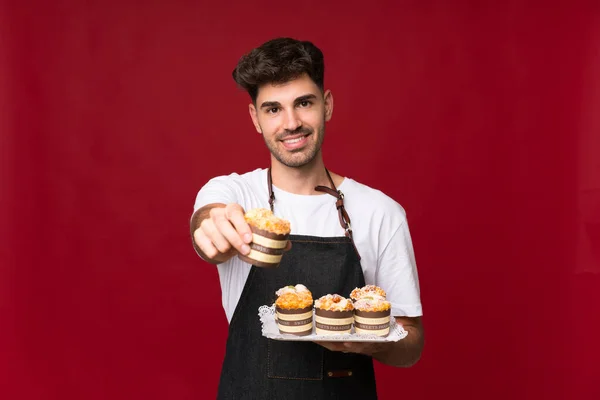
298, 157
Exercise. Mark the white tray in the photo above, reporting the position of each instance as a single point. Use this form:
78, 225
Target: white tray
270, 330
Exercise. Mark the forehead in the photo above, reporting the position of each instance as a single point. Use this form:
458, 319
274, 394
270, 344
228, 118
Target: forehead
287, 91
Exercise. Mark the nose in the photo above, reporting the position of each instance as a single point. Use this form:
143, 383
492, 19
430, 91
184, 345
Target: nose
291, 122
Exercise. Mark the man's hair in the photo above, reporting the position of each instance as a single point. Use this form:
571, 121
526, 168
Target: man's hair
278, 61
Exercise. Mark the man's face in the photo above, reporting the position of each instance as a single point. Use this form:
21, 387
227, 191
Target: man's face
291, 117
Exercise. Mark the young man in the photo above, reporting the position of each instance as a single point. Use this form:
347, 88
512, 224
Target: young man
289, 108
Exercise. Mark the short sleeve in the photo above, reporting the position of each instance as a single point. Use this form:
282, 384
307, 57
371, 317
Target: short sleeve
222, 189
397, 274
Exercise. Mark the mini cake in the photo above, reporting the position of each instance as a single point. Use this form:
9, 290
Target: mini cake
372, 315
294, 310
369, 290
269, 238
333, 315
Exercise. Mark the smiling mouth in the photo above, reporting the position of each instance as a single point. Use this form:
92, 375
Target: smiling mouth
295, 143
295, 140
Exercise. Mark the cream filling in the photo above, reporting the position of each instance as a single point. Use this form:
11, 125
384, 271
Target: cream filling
371, 321
326, 332
334, 321
379, 332
268, 258
295, 329
294, 317
266, 242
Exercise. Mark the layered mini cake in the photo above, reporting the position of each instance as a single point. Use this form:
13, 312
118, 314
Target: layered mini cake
372, 315
294, 310
333, 315
270, 235
368, 290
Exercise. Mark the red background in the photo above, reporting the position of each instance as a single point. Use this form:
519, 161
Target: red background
480, 118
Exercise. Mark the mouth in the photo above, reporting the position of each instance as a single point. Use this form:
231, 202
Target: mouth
295, 141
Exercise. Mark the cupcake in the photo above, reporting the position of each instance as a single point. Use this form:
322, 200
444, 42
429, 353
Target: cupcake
269, 238
369, 290
333, 315
372, 315
294, 310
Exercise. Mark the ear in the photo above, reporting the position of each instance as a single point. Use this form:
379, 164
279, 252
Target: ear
252, 110
328, 101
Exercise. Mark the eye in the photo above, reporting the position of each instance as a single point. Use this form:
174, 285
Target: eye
304, 103
273, 110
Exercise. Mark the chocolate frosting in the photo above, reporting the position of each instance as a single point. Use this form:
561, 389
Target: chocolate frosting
268, 234
333, 314
372, 314
266, 250
293, 310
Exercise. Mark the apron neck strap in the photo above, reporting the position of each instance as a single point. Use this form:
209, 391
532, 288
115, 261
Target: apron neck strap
339, 204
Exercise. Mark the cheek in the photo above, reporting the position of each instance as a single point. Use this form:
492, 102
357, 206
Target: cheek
314, 119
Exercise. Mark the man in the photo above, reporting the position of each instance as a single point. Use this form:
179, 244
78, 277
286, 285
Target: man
289, 108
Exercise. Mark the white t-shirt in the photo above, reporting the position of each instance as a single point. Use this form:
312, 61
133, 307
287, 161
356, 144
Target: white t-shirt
379, 227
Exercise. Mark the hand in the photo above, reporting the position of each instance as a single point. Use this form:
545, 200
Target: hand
224, 233
356, 347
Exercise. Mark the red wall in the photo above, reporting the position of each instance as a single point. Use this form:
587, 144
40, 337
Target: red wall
479, 118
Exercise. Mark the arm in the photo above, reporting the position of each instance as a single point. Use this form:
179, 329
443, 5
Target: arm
397, 268
403, 353
219, 232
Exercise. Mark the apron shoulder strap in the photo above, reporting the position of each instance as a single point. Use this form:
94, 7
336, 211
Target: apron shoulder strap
339, 204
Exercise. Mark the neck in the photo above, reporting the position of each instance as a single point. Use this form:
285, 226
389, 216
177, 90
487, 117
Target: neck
301, 180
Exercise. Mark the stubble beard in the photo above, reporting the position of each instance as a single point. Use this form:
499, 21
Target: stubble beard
300, 157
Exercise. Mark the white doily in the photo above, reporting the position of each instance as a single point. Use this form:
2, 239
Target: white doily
271, 331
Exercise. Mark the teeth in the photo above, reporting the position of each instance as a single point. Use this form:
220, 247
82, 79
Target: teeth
294, 140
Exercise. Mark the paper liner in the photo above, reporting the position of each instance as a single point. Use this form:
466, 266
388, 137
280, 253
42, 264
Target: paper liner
372, 314
282, 323
333, 314
257, 263
269, 235
293, 310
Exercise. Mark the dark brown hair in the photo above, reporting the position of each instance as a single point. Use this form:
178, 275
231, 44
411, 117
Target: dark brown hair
278, 61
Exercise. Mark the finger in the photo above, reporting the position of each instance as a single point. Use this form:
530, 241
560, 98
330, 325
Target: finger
212, 232
362, 348
351, 347
204, 244
235, 214
231, 235
288, 246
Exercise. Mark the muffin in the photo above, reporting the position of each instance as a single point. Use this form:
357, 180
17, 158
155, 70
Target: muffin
372, 316
333, 315
368, 290
294, 310
270, 235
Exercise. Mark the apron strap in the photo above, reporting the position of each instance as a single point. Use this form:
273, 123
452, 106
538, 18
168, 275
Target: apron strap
270, 185
339, 204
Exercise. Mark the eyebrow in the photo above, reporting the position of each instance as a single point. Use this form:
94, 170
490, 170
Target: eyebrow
305, 98
272, 104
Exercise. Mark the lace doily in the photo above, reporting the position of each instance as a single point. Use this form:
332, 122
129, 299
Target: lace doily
270, 330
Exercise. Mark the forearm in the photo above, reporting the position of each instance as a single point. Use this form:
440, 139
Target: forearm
405, 352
